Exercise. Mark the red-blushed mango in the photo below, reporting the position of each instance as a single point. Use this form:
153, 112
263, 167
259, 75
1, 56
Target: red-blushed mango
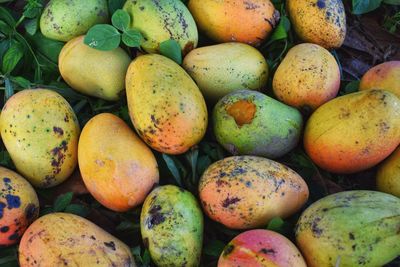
261, 248
385, 76
165, 105
320, 22
354, 132
19, 206
118, 169
63, 239
245, 192
388, 175
245, 21
307, 77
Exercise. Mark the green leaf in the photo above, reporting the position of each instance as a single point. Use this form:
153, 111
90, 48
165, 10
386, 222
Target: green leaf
103, 37
77, 209
113, 5
121, 19
5, 28
173, 168
7, 17
21, 81
33, 8
214, 248
392, 2
276, 224
281, 30
9, 89
365, 6
192, 157
11, 58
49, 48
352, 87
132, 38
62, 201
31, 26
203, 163
172, 50
146, 258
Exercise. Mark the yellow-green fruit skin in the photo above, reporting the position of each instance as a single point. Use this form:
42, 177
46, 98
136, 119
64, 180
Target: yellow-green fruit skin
171, 224
93, 72
321, 22
159, 21
354, 132
40, 131
118, 169
221, 69
63, 20
165, 105
388, 175
63, 239
354, 228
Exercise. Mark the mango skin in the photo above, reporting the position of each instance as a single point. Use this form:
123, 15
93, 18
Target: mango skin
385, 76
341, 135
40, 131
118, 169
159, 21
63, 20
221, 69
19, 206
359, 227
245, 192
388, 175
171, 224
243, 21
94, 72
60, 239
321, 22
273, 131
261, 248
307, 77
165, 105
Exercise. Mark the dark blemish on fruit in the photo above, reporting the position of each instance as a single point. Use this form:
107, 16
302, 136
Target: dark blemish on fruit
274, 20
13, 201
14, 236
110, 244
92, 237
353, 247
66, 118
58, 156
6, 180
321, 3
351, 236
30, 211
141, 8
58, 130
230, 201
156, 217
314, 227
268, 251
220, 183
228, 250
188, 47
4, 229
250, 5
248, 184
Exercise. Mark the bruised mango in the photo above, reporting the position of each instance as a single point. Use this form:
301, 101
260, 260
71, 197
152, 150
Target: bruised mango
354, 132
171, 224
165, 105
118, 169
307, 77
63, 239
245, 192
40, 131
221, 69
261, 248
388, 175
251, 123
245, 21
19, 206
321, 22
94, 72
352, 229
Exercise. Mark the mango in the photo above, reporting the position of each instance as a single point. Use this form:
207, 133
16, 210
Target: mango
221, 69
171, 223
94, 72
321, 22
245, 192
353, 132
250, 123
19, 206
261, 248
63, 239
350, 229
385, 76
388, 174
40, 131
165, 105
307, 77
243, 21
159, 21
63, 20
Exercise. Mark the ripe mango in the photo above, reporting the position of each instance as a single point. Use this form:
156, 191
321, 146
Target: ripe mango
388, 175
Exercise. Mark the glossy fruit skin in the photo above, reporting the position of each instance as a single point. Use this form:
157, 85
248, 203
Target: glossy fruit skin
307, 77
249, 22
321, 22
341, 135
63, 239
221, 69
171, 224
93, 72
388, 174
40, 131
244, 192
64, 20
118, 169
165, 105
385, 76
273, 131
261, 248
19, 206
159, 21
359, 227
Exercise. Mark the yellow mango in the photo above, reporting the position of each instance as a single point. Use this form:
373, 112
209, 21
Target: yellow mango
388, 175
